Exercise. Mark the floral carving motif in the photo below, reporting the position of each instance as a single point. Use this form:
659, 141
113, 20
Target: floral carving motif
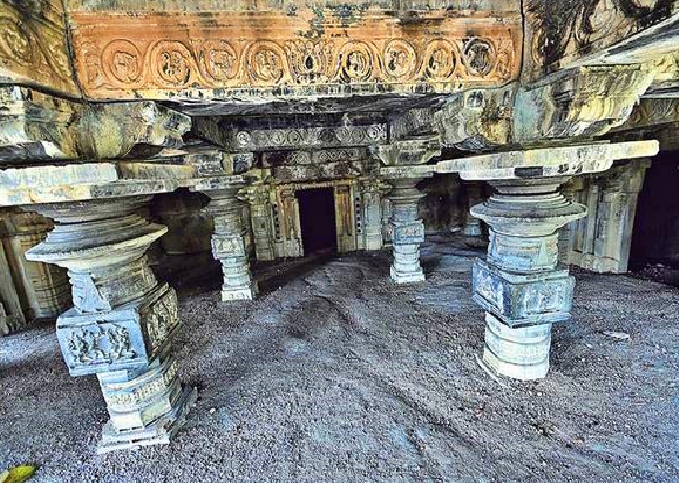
172, 63
310, 61
122, 61
266, 62
219, 59
399, 59
356, 61
15, 42
479, 57
439, 60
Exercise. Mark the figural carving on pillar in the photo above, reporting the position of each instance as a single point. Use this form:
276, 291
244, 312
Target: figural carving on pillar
229, 244
407, 230
520, 286
123, 322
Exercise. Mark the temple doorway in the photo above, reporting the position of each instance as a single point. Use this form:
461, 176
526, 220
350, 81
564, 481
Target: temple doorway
317, 219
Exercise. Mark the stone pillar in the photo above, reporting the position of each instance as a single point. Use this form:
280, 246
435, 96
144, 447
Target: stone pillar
472, 225
405, 160
43, 289
229, 242
407, 231
519, 285
124, 320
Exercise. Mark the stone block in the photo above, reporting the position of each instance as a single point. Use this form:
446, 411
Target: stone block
228, 246
158, 432
523, 299
246, 293
408, 233
134, 403
521, 353
127, 338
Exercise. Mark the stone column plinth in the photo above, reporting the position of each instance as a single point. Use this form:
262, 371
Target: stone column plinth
472, 225
407, 231
229, 244
123, 322
520, 285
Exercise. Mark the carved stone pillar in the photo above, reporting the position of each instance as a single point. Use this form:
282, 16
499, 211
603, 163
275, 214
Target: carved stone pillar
229, 242
123, 322
519, 285
472, 225
43, 289
406, 157
407, 231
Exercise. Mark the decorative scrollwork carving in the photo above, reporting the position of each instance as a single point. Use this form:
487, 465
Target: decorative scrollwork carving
356, 62
122, 62
172, 63
266, 62
15, 41
400, 59
219, 60
479, 57
439, 60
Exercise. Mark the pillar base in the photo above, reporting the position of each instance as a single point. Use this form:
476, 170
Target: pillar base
249, 293
519, 352
406, 277
158, 432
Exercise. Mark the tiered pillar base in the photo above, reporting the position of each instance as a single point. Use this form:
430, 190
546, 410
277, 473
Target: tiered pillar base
520, 285
123, 322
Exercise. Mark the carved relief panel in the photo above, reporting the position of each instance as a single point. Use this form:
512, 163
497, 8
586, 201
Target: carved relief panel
259, 53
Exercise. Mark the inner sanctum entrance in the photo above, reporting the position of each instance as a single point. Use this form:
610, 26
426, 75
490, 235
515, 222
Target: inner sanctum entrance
317, 219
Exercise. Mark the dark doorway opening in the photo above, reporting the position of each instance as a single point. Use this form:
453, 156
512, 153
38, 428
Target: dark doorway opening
655, 238
317, 219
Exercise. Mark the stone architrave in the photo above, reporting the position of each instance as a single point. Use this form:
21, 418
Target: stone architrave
404, 159
520, 286
123, 320
229, 244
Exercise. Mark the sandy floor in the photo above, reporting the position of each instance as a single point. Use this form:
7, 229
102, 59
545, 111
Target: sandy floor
338, 375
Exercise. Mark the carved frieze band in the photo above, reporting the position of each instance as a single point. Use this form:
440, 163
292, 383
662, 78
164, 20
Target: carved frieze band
195, 58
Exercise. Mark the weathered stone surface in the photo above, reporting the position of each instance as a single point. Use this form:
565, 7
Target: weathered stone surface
253, 50
34, 46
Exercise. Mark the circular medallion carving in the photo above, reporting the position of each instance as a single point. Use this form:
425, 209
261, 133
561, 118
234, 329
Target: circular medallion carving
171, 62
219, 59
479, 57
399, 59
15, 42
243, 139
266, 62
122, 61
439, 60
356, 62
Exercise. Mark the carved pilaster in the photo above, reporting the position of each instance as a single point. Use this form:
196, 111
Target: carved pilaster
407, 230
519, 285
123, 322
229, 244
260, 215
42, 288
371, 199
